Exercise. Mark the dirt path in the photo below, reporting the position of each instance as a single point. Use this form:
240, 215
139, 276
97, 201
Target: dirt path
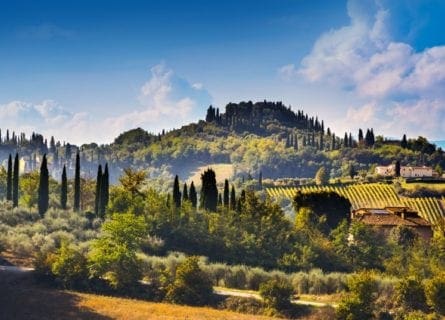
247, 294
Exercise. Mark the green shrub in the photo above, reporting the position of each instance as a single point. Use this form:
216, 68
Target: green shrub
435, 293
410, 295
243, 305
360, 302
276, 295
235, 277
70, 266
113, 255
191, 285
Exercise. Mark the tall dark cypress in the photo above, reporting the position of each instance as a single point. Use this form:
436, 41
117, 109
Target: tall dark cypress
233, 198
64, 189
15, 182
97, 201
9, 180
185, 194
193, 195
104, 192
176, 193
43, 192
209, 191
404, 142
226, 193
260, 180
76, 204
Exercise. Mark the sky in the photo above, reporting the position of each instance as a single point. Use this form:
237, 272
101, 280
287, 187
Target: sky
87, 70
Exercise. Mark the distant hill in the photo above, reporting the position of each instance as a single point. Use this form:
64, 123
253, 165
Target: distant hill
266, 137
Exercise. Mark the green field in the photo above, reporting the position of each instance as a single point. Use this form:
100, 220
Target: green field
373, 195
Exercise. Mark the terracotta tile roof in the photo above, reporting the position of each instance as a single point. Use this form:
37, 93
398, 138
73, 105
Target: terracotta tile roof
391, 220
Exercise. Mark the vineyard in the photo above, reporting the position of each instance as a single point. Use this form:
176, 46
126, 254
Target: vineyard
373, 195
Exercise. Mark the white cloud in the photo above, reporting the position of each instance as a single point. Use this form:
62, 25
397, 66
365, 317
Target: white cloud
166, 101
362, 58
288, 71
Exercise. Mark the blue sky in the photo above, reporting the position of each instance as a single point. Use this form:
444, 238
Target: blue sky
87, 70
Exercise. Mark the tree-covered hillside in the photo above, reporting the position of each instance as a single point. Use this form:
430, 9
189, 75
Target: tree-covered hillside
266, 137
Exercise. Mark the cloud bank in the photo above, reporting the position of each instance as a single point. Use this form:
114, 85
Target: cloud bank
166, 101
397, 89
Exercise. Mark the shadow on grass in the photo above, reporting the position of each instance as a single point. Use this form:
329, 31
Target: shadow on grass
21, 298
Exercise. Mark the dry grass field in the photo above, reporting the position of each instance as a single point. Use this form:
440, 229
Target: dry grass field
222, 170
21, 298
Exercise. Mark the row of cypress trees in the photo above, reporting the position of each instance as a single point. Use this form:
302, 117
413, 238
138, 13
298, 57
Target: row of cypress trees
209, 197
186, 195
12, 183
102, 188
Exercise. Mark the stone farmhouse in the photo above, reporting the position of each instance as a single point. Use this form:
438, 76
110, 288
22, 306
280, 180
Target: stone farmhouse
389, 218
405, 171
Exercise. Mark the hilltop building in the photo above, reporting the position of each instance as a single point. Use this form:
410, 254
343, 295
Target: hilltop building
405, 171
389, 218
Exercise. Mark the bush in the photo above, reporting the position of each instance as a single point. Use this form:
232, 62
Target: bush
359, 303
70, 266
276, 295
191, 285
113, 254
235, 277
243, 305
410, 295
435, 293
255, 277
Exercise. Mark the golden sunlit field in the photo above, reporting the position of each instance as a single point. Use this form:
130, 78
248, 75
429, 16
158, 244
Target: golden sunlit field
222, 170
117, 308
21, 298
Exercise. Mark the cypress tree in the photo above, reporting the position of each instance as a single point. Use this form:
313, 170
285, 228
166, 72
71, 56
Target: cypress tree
243, 196
43, 192
233, 198
15, 182
76, 205
104, 192
9, 180
168, 201
360, 136
176, 193
185, 194
64, 189
260, 181
404, 143
193, 195
97, 202
226, 193
209, 191
397, 168
220, 202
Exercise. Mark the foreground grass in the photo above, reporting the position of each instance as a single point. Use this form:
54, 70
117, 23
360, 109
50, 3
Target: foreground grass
117, 308
22, 298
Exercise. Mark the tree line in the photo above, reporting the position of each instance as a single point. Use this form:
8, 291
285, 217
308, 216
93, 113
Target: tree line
101, 194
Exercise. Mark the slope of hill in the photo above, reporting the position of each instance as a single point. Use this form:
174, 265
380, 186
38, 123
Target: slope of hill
264, 136
373, 195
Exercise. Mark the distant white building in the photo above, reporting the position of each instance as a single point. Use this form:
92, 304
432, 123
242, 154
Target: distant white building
405, 171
